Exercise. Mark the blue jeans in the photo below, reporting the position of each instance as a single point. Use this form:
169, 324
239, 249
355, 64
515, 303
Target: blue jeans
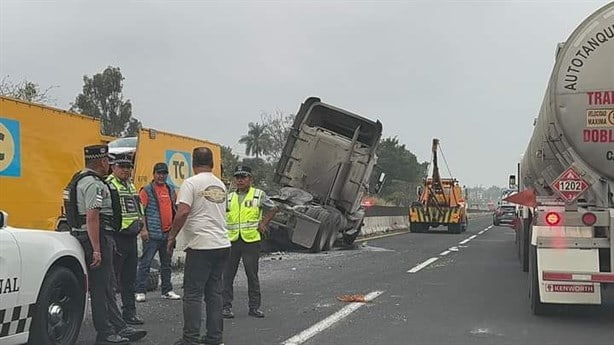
150, 248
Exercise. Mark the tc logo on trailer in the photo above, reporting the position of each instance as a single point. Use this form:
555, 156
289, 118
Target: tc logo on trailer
10, 148
179, 167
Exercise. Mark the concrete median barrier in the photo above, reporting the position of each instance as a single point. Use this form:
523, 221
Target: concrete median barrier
378, 220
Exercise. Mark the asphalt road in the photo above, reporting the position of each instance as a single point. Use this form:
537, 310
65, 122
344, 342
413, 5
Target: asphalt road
472, 291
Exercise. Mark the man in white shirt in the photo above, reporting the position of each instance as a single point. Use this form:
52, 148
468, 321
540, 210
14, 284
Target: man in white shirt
201, 215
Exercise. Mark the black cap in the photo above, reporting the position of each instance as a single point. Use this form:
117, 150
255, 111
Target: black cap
93, 152
160, 167
121, 159
242, 170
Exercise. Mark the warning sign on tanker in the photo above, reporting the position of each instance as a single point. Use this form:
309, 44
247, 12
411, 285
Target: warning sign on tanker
569, 185
179, 167
600, 118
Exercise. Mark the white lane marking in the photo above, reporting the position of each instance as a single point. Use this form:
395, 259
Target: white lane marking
329, 321
483, 231
422, 265
445, 252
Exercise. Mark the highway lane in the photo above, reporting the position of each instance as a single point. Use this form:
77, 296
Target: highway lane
473, 293
477, 295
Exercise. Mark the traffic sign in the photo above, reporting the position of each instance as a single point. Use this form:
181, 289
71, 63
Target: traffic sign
569, 185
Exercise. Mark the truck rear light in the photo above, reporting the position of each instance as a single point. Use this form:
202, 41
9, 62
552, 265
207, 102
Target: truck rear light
589, 219
553, 218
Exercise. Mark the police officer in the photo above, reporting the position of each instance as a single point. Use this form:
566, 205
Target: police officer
245, 223
91, 214
126, 259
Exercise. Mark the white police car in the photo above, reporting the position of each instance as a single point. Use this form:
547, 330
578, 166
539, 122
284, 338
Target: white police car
43, 284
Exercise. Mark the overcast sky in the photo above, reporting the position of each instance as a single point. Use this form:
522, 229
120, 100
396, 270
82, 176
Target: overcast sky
471, 73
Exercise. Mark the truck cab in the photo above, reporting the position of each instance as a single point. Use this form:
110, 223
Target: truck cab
328, 159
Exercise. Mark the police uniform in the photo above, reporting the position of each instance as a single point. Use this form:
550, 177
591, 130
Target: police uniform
243, 215
93, 193
126, 259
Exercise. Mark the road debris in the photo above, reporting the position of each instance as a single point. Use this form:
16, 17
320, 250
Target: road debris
353, 298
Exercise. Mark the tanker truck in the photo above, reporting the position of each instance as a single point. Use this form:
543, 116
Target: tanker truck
324, 172
565, 239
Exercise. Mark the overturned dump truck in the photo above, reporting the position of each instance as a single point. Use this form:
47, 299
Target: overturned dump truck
324, 171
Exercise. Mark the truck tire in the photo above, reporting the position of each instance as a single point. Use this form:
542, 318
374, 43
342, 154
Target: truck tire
337, 223
465, 224
321, 239
418, 227
537, 307
349, 239
517, 239
524, 245
454, 228
59, 309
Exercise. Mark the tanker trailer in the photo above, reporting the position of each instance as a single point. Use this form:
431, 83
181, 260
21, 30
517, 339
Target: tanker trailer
565, 236
324, 169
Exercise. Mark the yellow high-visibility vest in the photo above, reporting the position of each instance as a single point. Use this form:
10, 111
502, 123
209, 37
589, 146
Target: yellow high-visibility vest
129, 200
242, 218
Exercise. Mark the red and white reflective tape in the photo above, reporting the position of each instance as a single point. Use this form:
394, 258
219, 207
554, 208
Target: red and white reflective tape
579, 277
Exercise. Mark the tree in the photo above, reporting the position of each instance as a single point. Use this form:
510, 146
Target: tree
403, 171
257, 141
263, 173
102, 98
26, 90
277, 127
229, 161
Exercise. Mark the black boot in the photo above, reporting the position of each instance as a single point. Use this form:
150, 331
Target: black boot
255, 312
133, 320
132, 334
112, 339
227, 313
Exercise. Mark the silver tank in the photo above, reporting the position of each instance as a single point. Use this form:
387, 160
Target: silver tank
575, 125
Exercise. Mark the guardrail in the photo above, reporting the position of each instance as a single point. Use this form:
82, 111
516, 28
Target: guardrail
378, 211
380, 219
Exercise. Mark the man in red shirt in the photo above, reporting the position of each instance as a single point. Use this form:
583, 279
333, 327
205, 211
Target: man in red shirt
158, 199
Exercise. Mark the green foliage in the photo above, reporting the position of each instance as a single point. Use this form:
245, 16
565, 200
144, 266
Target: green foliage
26, 91
263, 173
403, 171
102, 98
277, 127
266, 139
229, 162
257, 141
479, 196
